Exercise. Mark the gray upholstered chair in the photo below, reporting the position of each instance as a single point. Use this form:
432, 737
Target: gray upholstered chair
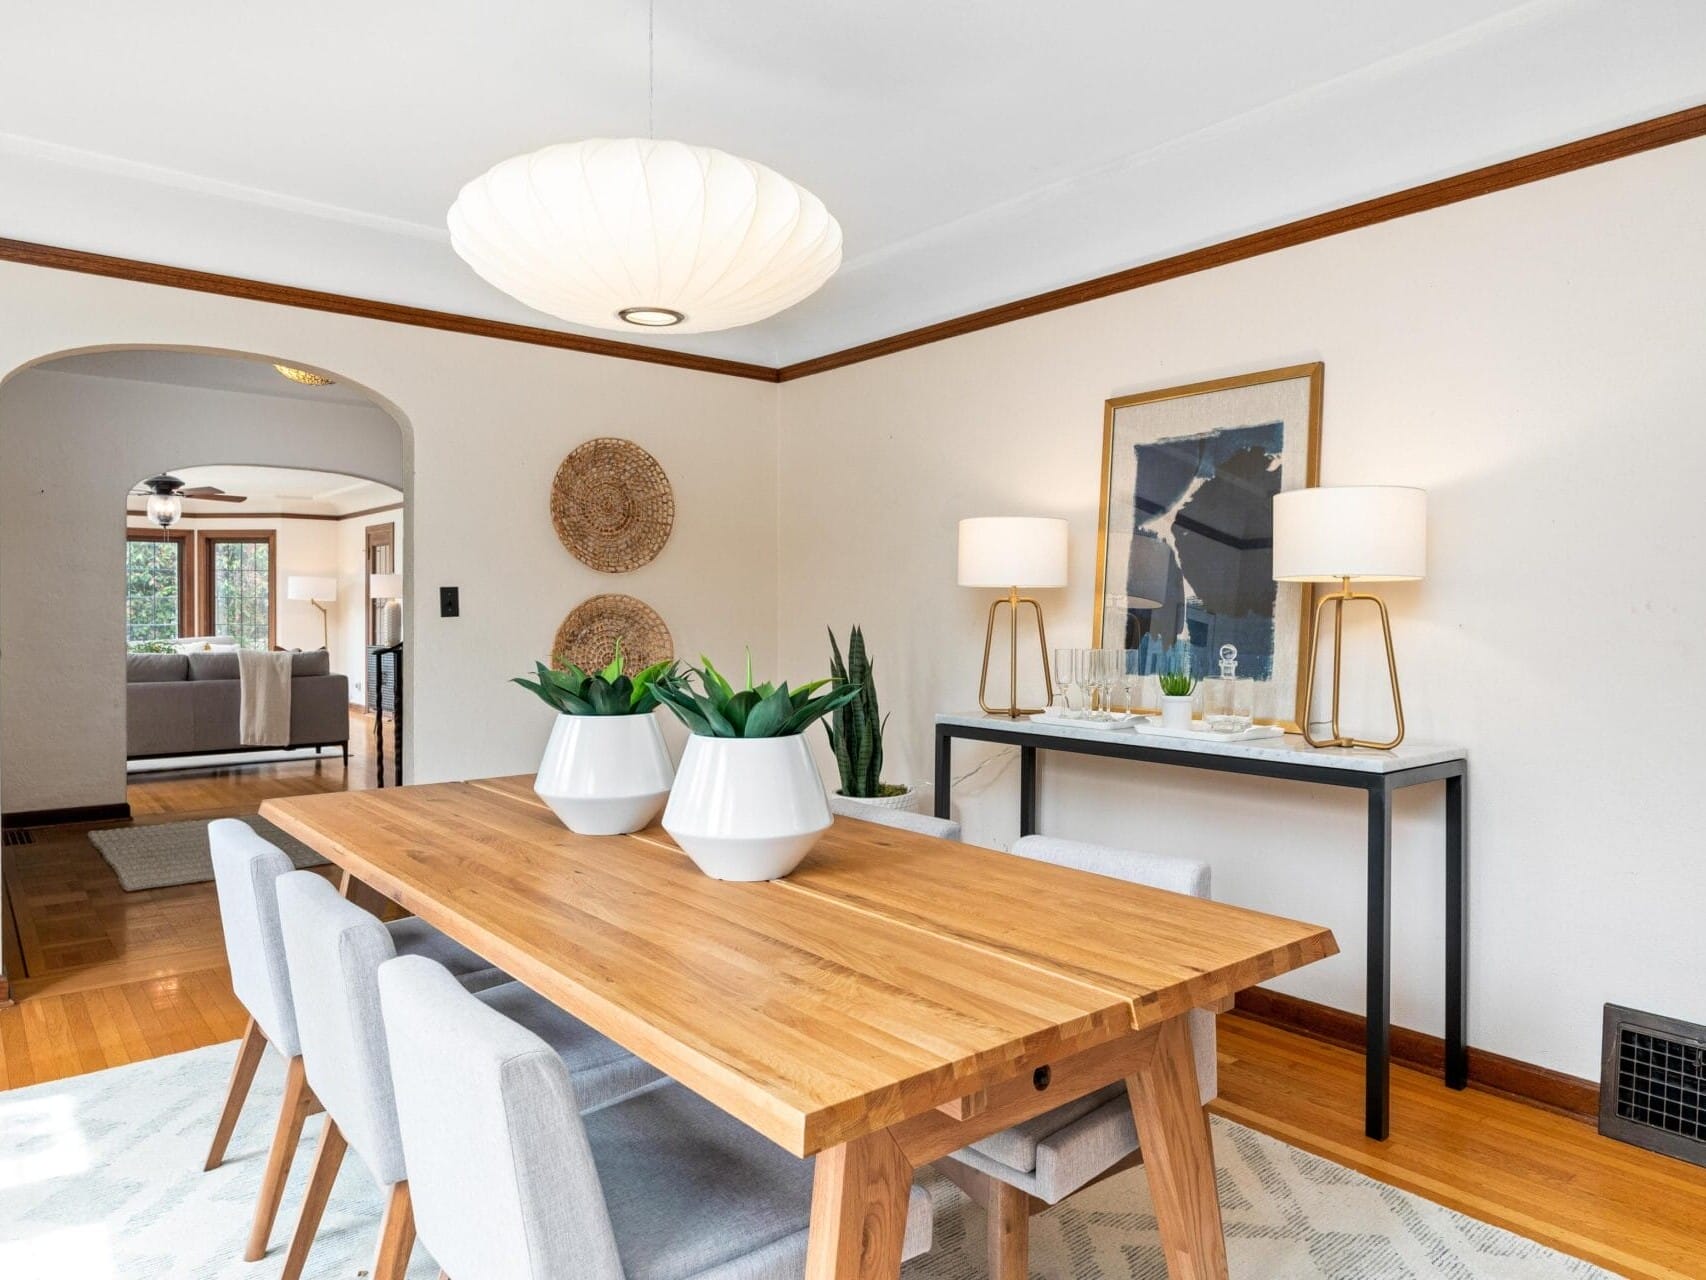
513, 1183
923, 824
246, 869
1041, 1161
334, 950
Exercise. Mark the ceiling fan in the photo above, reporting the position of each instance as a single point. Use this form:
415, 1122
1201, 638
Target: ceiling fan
166, 494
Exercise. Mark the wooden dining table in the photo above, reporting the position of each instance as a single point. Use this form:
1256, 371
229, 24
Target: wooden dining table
895, 999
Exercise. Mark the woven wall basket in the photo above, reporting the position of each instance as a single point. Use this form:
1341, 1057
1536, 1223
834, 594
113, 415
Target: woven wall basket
589, 634
612, 505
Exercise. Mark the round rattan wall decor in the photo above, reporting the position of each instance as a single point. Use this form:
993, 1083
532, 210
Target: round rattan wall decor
589, 634
612, 505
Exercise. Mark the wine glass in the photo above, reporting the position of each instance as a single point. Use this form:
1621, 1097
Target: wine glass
1065, 675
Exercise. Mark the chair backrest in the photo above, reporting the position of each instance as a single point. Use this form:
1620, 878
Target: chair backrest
334, 950
500, 1171
1158, 871
923, 824
246, 870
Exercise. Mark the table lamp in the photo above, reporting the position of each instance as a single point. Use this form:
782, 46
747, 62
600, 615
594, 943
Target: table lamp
1010, 552
314, 590
388, 627
1346, 534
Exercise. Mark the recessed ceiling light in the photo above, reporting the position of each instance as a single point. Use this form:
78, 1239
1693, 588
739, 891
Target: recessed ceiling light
651, 317
303, 376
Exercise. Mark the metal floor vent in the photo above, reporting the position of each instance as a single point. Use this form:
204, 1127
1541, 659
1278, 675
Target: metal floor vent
1652, 1089
20, 835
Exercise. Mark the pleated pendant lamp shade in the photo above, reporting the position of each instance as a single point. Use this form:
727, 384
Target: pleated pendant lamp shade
631, 233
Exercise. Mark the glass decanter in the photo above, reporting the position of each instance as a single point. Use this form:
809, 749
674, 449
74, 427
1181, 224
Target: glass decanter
1229, 702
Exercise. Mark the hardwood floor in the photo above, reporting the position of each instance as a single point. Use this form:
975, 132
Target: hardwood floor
106, 977
102, 977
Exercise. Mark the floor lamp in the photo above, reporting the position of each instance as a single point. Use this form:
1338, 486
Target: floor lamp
315, 590
1010, 552
1346, 534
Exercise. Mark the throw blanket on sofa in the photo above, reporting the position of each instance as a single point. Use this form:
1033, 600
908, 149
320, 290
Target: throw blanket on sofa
265, 698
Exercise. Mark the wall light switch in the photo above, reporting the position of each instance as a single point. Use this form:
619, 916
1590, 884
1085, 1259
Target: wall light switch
449, 602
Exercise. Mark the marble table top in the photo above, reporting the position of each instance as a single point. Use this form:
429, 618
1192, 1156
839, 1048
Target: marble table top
1291, 749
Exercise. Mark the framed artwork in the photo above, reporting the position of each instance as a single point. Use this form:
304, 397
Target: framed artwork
1185, 561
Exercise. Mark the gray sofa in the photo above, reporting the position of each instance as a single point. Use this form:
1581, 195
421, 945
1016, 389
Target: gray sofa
187, 704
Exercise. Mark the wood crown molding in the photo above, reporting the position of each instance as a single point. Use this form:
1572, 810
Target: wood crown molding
1491, 1071
278, 515
1648, 135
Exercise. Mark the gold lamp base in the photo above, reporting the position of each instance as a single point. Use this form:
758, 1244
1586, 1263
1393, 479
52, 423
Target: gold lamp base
1338, 599
1013, 710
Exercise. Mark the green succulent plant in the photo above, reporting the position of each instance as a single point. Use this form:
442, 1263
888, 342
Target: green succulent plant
1177, 684
609, 692
856, 730
719, 710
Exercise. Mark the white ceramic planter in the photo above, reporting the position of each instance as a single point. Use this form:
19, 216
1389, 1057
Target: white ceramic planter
747, 808
604, 775
1176, 712
906, 801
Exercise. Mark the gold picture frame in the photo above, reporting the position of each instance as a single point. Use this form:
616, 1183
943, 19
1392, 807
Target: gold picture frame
1298, 599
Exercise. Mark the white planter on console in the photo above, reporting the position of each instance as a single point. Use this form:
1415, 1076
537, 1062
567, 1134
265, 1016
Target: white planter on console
747, 808
605, 775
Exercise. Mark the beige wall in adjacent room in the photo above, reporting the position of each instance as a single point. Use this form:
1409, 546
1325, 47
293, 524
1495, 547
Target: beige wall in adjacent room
349, 622
1534, 360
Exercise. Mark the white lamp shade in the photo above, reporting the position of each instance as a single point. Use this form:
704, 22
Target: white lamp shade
1373, 533
305, 588
687, 239
385, 586
1012, 551
164, 509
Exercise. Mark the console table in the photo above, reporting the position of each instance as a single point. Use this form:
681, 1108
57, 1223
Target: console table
1379, 774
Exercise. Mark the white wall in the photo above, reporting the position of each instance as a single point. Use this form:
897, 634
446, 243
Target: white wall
488, 422
1534, 359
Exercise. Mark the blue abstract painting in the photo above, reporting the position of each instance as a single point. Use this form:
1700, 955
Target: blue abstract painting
1187, 561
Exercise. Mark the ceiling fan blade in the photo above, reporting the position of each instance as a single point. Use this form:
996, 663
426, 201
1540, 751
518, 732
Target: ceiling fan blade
207, 493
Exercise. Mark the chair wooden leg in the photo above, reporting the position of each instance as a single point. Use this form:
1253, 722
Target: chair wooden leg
1179, 1154
396, 1235
327, 1159
249, 1054
293, 1111
1009, 1241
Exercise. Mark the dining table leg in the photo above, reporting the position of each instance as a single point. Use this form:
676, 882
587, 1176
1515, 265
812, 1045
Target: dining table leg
860, 1194
1178, 1152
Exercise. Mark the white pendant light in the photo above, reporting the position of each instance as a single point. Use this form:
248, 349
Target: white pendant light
634, 233
637, 233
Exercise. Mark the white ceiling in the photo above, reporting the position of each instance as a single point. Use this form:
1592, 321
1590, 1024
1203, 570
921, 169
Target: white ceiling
284, 489
974, 153
196, 369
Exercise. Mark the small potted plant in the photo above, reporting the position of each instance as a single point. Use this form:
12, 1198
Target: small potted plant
748, 802
606, 770
856, 731
1176, 690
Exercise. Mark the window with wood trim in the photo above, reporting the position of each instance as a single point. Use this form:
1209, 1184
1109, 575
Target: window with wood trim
239, 587
157, 604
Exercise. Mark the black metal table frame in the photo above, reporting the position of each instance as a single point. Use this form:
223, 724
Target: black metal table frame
1380, 788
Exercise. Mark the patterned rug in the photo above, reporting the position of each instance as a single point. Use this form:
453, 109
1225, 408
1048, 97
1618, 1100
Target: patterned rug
158, 854
100, 1179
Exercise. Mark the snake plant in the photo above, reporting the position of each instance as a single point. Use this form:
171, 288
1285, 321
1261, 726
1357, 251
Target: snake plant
1177, 684
856, 730
609, 692
719, 710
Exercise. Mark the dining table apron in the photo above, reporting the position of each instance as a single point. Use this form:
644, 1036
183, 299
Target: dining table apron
894, 999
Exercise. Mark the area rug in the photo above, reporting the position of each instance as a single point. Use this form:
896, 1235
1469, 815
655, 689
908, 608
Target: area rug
100, 1178
157, 855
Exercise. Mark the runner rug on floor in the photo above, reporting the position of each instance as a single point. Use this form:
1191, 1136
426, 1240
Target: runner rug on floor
158, 854
100, 1178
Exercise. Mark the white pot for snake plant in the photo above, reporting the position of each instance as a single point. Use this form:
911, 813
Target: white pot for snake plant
1176, 710
905, 801
605, 775
747, 808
